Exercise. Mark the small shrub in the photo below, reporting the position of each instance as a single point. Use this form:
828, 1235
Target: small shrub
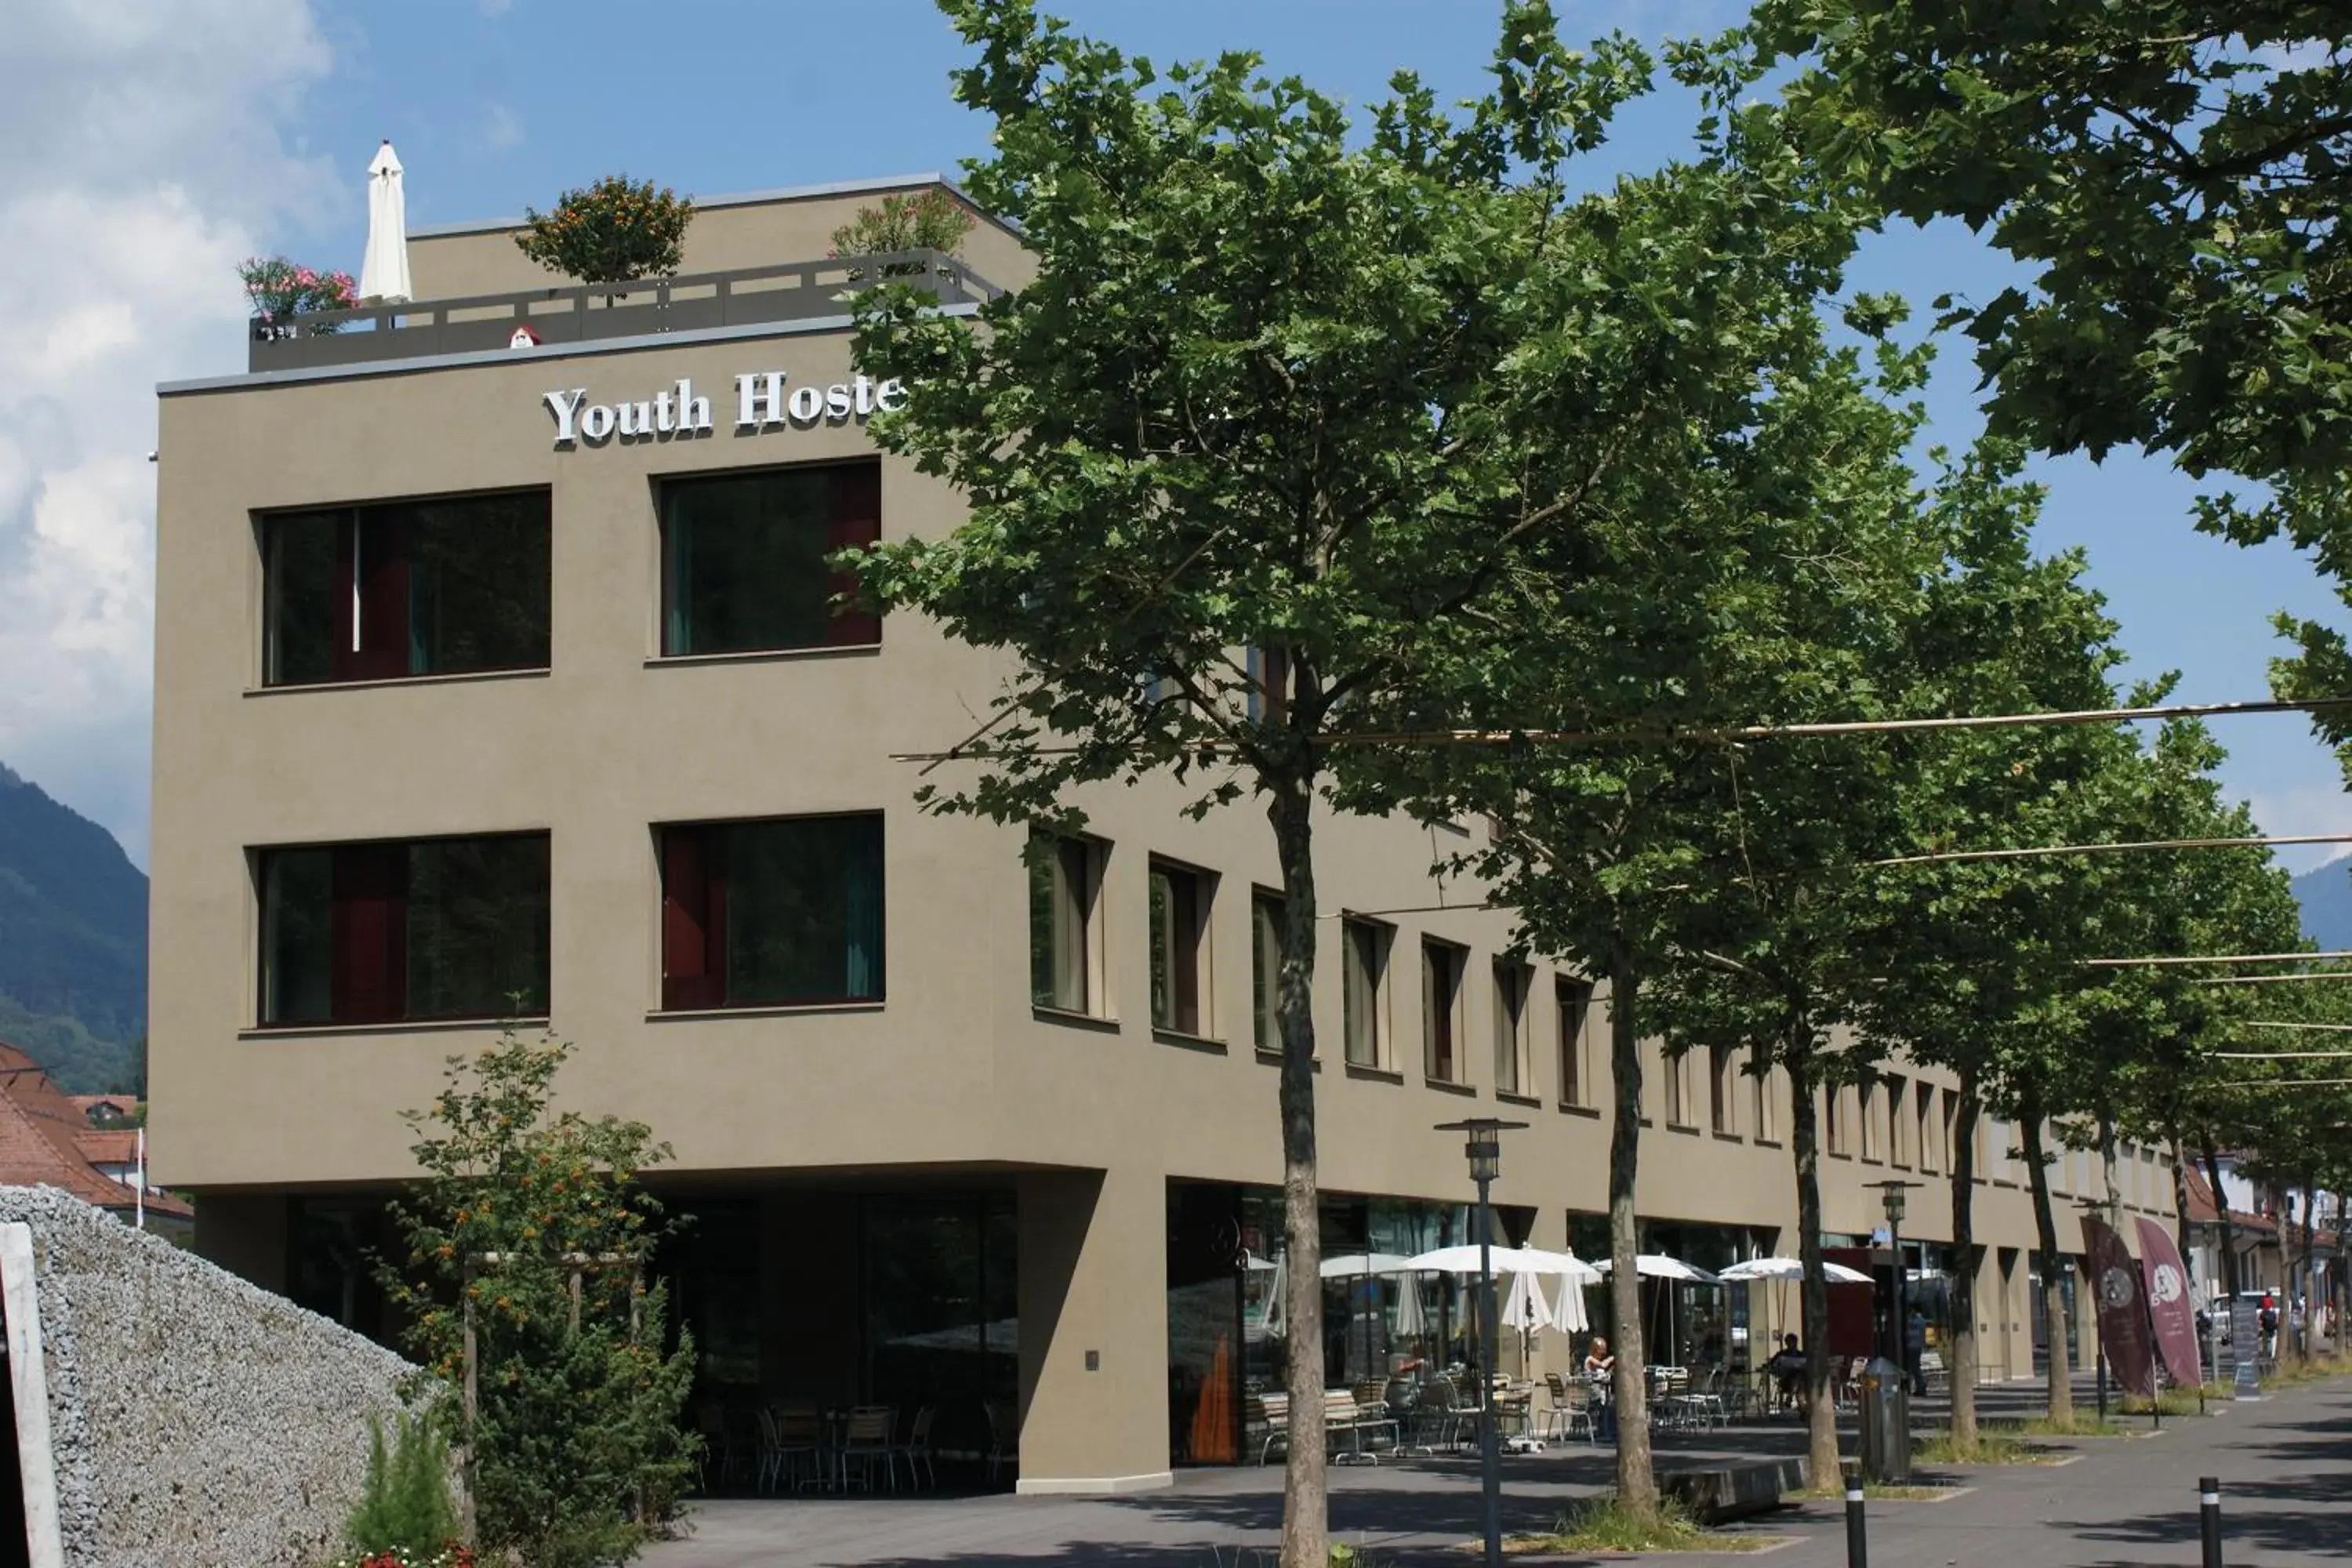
926, 220
614, 231
405, 1504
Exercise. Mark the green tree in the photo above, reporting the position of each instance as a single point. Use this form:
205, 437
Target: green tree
529, 1234
614, 231
2171, 173
1283, 387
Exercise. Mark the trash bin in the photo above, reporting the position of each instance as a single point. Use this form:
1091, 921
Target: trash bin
1885, 1422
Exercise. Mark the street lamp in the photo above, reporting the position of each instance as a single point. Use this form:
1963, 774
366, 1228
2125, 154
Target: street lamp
1891, 1196
1483, 1146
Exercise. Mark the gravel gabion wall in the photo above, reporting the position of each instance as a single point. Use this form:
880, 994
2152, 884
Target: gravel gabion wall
197, 1420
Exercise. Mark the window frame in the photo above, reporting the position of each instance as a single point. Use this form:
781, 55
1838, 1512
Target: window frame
365, 867
1078, 862
1723, 1104
854, 518
1365, 948
1572, 1007
706, 992
1193, 893
1269, 939
1445, 966
349, 615
1768, 1102
1833, 1120
1513, 987
1924, 1097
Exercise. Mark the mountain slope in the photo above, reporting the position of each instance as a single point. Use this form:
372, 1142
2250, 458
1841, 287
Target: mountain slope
73, 938
2325, 896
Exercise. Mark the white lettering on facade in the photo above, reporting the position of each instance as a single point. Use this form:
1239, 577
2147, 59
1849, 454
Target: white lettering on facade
762, 402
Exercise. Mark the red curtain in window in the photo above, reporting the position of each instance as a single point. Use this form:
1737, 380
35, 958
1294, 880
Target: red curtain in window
694, 919
856, 519
370, 933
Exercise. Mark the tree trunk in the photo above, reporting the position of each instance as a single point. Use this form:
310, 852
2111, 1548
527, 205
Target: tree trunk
1965, 1263
2303, 1336
1305, 1503
1637, 1483
2222, 1214
1804, 1148
2054, 1267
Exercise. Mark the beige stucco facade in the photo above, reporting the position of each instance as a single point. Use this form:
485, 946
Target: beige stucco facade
955, 1077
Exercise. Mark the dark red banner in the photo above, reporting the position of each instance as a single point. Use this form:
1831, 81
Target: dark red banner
2123, 1307
2169, 1307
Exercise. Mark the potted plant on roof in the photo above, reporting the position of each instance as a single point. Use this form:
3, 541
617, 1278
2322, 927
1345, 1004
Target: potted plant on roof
614, 231
288, 299
930, 219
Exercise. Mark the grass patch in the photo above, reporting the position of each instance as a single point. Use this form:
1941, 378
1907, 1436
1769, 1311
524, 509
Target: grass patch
2082, 1426
2176, 1401
1602, 1526
1992, 1447
2319, 1369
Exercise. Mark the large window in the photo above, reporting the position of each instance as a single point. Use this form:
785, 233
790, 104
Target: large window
772, 913
1768, 1097
376, 933
1574, 999
1065, 876
1512, 982
1363, 987
1265, 969
1180, 919
743, 559
1722, 1114
448, 586
1929, 1129
1866, 1094
1441, 966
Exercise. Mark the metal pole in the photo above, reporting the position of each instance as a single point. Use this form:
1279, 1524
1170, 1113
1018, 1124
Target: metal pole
2103, 1380
1899, 1328
1857, 1534
1490, 1458
2209, 1519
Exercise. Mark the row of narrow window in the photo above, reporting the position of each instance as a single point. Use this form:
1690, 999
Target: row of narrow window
461, 585
1069, 969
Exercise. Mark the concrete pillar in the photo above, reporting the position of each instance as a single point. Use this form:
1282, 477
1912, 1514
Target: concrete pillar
1093, 1289
245, 1234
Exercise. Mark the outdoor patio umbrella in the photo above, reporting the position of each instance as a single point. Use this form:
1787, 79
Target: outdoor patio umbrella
1411, 1318
384, 269
1527, 1310
1658, 1266
1781, 1269
1568, 1314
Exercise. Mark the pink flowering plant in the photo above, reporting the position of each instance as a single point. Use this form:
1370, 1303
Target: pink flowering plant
284, 293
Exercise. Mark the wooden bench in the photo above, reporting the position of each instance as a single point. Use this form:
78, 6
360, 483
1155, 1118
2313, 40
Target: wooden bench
1735, 1488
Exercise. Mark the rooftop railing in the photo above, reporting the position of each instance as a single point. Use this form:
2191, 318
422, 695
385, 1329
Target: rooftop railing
589, 312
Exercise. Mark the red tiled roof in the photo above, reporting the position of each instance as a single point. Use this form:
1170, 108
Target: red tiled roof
89, 1105
41, 1133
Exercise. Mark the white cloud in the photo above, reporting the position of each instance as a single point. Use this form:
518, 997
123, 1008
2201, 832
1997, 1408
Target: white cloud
141, 158
2305, 809
503, 130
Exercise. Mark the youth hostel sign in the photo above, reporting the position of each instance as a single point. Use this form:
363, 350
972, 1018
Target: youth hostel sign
764, 401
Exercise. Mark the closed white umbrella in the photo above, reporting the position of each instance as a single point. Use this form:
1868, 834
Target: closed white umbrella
1411, 1318
1526, 1308
1789, 1268
383, 270
1568, 1314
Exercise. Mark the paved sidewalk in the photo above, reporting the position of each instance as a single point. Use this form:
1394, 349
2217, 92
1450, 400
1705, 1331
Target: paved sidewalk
2285, 1466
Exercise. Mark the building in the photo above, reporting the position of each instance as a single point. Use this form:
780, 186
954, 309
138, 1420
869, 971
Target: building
48, 1139
496, 664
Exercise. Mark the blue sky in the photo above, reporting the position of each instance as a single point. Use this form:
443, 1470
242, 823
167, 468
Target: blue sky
255, 119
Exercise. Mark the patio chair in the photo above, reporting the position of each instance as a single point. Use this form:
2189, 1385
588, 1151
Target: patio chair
1267, 1417
917, 1449
1441, 1414
800, 1448
1571, 1406
770, 1459
866, 1438
1003, 1438
1703, 1395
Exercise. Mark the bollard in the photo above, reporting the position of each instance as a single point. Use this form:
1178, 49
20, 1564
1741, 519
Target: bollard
1857, 1535
2208, 1524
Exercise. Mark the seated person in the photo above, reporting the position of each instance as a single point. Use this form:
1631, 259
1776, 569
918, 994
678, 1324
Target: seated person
1597, 1362
1788, 1369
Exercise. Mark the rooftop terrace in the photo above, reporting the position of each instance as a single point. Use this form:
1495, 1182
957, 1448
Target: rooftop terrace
744, 295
